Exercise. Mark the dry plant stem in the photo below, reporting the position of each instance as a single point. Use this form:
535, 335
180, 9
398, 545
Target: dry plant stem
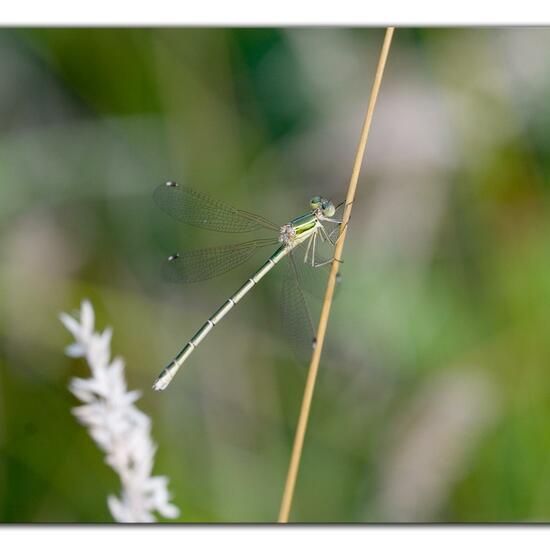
286, 502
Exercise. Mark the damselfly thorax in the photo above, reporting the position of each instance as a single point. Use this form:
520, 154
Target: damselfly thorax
194, 208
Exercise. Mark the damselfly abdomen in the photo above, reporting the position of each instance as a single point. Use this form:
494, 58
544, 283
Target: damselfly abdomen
194, 208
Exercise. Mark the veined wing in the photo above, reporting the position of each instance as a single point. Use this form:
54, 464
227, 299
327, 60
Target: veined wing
313, 280
303, 287
295, 316
205, 263
194, 208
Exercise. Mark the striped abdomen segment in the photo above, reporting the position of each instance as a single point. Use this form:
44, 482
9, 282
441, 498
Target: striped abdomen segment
169, 372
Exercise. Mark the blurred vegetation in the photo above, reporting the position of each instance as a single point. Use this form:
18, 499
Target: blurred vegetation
433, 402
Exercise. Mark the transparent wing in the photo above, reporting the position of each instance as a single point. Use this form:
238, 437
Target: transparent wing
194, 208
313, 280
202, 264
295, 317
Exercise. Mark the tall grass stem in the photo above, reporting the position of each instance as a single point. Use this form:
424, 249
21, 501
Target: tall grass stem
286, 503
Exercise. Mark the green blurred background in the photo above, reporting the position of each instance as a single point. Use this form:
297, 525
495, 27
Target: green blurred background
433, 401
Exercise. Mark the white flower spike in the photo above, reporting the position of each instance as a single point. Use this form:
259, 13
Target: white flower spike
118, 427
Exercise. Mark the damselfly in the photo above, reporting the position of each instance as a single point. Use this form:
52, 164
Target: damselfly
196, 209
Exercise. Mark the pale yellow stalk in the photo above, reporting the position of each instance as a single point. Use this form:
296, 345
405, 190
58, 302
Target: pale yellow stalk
286, 502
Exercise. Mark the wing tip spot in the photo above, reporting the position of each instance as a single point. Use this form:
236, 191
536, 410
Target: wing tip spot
173, 257
171, 184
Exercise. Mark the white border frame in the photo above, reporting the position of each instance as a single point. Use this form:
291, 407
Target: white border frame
280, 13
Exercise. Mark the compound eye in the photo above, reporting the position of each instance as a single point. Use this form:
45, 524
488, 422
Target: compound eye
316, 202
328, 208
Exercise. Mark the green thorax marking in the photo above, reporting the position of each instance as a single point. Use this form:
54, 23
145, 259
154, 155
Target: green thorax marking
303, 224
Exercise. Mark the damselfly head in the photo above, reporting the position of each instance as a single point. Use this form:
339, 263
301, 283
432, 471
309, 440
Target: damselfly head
323, 205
